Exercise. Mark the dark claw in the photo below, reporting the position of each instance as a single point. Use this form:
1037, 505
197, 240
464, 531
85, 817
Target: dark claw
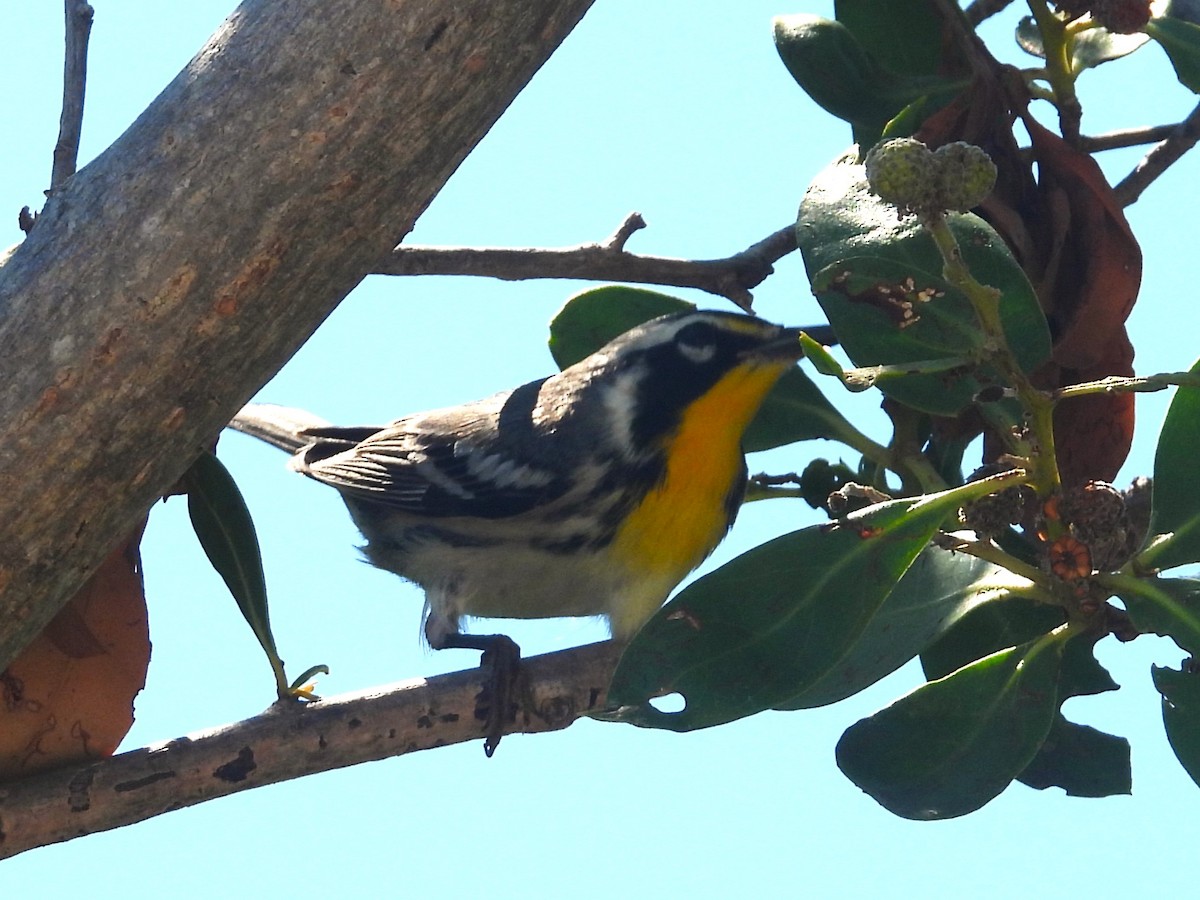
502, 657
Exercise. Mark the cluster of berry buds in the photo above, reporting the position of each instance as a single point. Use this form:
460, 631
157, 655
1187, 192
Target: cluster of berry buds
904, 172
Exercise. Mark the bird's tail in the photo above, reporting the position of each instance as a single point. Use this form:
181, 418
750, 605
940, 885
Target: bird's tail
279, 426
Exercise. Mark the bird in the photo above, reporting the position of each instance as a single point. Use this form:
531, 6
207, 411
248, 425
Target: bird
591, 492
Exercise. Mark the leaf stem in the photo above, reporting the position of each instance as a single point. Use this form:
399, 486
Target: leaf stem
1043, 587
985, 300
1056, 42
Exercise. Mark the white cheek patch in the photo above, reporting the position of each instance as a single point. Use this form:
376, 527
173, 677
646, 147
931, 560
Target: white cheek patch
620, 401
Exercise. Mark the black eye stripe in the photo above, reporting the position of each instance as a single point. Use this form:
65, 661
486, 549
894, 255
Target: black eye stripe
696, 334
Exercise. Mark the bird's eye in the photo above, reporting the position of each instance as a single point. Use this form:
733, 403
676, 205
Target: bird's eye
697, 342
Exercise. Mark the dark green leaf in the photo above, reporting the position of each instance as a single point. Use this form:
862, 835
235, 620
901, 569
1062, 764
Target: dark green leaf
1166, 606
1181, 41
1174, 534
226, 532
764, 627
592, 318
1082, 761
937, 590
906, 36
952, 745
866, 265
986, 629
1181, 714
1029, 37
830, 64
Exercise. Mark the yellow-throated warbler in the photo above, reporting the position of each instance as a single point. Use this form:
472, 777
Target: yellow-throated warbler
590, 492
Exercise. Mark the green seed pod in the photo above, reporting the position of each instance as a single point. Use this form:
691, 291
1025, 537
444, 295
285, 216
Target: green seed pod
965, 176
902, 171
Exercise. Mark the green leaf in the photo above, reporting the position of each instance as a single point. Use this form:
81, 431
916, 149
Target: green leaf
1082, 761
986, 629
794, 410
1166, 606
1181, 714
1181, 41
1174, 533
904, 35
1082, 675
950, 746
592, 318
831, 66
937, 591
223, 525
1088, 48
868, 267
764, 627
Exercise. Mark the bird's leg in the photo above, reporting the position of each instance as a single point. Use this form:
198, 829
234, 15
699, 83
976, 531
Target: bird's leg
502, 657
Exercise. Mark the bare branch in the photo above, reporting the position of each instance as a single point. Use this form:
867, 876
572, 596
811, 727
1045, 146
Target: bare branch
291, 742
70, 125
979, 10
1159, 159
731, 277
1129, 137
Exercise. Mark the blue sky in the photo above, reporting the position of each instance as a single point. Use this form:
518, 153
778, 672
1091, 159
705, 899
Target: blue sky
680, 110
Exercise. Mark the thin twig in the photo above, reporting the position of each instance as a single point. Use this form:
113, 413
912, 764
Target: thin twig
979, 10
79, 16
289, 742
1129, 137
1159, 159
731, 277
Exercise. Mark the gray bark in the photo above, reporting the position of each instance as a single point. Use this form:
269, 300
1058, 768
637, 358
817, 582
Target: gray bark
166, 281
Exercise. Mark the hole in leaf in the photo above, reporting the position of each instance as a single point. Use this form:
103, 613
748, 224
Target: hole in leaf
669, 703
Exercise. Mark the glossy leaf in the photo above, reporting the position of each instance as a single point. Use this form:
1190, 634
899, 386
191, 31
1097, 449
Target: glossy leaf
952, 745
1174, 534
1082, 761
1181, 714
868, 268
223, 525
1088, 48
1181, 41
764, 627
1166, 606
592, 318
794, 410
983, 631
936, 592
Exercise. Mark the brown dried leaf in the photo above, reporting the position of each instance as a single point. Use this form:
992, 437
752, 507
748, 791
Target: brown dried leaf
69, 696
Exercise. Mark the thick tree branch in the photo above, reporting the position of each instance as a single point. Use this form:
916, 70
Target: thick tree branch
167, 280
290, 742
1159, 159
731, 277
70, 125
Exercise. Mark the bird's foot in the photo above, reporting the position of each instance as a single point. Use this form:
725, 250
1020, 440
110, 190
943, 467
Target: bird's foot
498, 699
